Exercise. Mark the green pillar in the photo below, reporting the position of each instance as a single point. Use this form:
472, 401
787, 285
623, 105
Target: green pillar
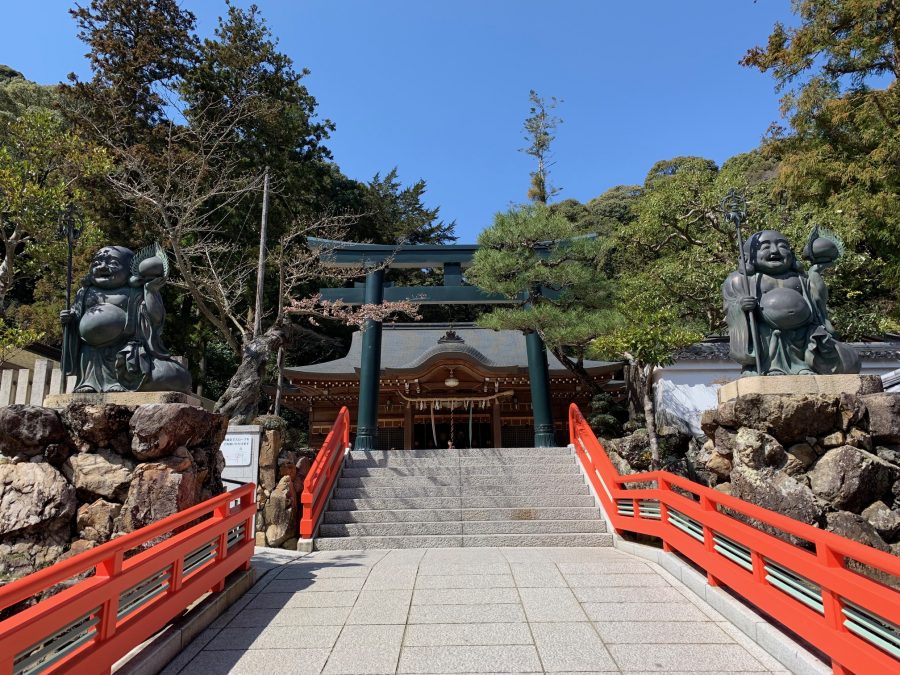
370, 367
539, 376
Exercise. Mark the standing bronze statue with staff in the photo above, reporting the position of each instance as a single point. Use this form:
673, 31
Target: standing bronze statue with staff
776, 312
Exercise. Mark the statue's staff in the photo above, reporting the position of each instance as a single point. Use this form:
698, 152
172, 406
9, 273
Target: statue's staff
71, 233
735, 208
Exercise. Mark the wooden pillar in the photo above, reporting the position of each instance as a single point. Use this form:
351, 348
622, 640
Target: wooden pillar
495, 424
370, 368
408, 427
540, 391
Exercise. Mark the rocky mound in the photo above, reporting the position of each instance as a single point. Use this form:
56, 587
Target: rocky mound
75, 478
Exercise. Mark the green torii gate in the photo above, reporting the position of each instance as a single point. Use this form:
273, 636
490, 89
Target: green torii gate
453, 258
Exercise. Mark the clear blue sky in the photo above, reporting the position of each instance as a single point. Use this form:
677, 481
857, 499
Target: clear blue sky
439, 88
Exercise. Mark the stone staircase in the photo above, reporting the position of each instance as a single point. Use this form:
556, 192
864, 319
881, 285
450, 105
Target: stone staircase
469, 497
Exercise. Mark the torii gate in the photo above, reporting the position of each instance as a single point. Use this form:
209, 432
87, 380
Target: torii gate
453, 258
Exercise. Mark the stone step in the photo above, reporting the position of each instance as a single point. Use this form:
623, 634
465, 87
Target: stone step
464, 452
465, 491
450, 541
470, 463
456, 481
434, 515
512, 502
561, 469
459, 527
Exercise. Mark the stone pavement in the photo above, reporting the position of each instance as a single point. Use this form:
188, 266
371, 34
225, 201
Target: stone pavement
475, 610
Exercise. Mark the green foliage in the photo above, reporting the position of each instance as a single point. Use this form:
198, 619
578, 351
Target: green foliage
553, 268
41, 166
606, 415
19, 96
539, 127
838, 69
645, 338
13, 338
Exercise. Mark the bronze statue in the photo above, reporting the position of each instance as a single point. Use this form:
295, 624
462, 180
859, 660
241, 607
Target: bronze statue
113, 336
776, 313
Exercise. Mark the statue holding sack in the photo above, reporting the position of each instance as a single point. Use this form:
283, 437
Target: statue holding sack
113, 337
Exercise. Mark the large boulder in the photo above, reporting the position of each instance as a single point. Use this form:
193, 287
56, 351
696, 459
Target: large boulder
96, 521
158, 490
756, 449
158, 429
788, 417
33, 497
634, 449
280, 513
29, 430
850, 479
884, 417
102, 425
855, 527
99, 474
885, 521
775, 490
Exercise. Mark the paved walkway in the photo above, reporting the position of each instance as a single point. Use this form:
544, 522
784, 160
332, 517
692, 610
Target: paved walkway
479, 610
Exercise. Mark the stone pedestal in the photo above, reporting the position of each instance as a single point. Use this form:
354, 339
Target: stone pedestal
832, 385
128, 398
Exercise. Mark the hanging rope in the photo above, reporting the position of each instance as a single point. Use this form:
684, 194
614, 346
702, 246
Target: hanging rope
452, 429
471, 408
433, 428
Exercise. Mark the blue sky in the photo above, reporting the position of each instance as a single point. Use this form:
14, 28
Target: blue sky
439, 88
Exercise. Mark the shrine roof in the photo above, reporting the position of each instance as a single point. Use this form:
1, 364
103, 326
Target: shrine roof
409, 346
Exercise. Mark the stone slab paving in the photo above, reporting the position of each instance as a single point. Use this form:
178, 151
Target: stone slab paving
489, 610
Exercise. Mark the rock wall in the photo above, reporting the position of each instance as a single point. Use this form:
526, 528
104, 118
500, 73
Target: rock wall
830, 461
281, 475
75, 478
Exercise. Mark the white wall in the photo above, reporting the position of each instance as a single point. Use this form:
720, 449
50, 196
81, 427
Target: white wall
687, 388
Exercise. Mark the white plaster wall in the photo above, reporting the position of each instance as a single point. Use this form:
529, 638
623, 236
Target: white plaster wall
687, 388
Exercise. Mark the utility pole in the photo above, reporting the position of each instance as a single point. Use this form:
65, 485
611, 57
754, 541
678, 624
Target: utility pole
261, 272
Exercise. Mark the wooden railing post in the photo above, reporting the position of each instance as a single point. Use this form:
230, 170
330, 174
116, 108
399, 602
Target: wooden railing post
708, 541
663, 486
221, 513
110, 567
831, 602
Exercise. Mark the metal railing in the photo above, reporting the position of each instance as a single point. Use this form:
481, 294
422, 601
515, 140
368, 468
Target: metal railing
89, 626
323, 473
849, 616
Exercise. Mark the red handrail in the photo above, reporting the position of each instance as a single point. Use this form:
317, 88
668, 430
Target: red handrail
89, 626
322, 474
654, 510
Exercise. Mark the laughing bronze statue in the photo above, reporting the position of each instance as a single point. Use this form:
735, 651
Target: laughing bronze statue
113, 336
793, 335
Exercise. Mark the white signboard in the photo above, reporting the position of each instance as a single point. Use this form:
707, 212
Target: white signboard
241, 451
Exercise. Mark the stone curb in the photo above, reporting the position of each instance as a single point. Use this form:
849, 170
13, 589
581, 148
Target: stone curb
154, 654
765, 632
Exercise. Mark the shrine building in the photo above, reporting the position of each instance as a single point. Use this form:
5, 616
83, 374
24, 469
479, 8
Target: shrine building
439, 382
425, 386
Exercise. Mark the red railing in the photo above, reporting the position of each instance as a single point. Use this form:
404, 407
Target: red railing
324, 471
89, 626
850, 617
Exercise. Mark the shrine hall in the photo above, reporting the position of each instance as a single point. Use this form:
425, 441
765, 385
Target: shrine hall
439, 383
429, 386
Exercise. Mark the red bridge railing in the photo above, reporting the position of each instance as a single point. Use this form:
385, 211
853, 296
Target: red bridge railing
89, 626
324, 471
850, 617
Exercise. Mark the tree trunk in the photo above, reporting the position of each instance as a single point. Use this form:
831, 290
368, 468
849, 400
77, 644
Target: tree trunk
583, 377
241, 398
650, 416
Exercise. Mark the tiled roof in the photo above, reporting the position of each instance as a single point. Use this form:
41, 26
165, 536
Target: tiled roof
406, 346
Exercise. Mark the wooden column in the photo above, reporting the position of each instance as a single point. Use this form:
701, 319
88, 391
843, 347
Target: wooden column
495, 424
408, 427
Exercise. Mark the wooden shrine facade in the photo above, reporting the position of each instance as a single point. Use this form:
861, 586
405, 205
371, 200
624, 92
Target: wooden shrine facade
438, 383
